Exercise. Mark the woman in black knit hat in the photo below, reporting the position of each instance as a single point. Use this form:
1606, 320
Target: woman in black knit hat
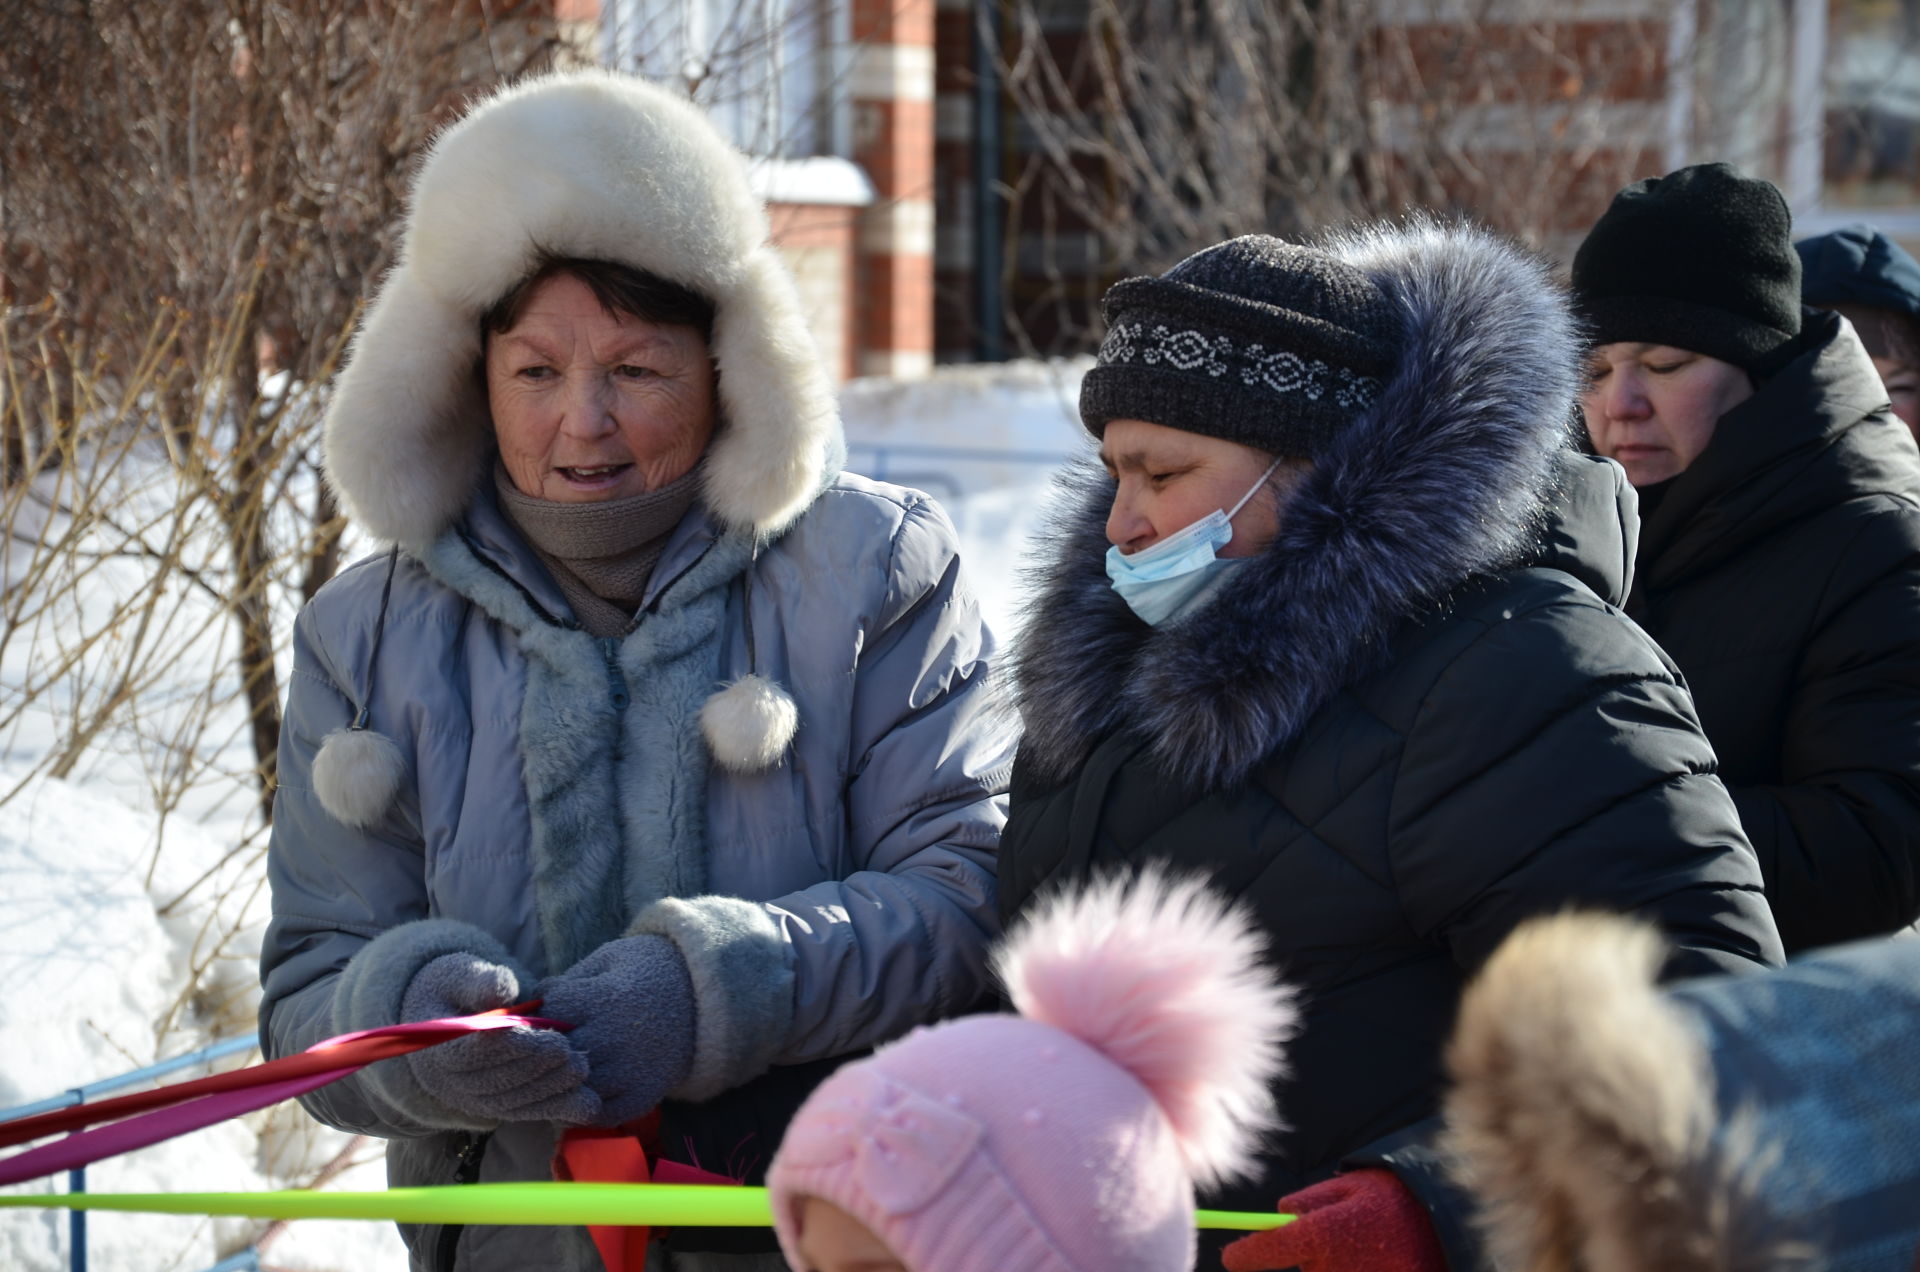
1334, 626
1779, 553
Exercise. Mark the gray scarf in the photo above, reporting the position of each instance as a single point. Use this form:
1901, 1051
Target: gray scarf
601, 554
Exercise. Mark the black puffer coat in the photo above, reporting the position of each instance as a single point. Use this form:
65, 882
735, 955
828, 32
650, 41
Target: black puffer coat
1782, 573
1390, 734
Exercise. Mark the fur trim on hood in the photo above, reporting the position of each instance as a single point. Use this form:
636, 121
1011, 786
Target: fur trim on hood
1443, 478
1582, 1115
589, 164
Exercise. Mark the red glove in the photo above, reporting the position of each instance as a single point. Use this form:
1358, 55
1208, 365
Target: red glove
1362, 1221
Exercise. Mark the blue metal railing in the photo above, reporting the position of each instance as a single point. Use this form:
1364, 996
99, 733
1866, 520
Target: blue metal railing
246, 1260
94, 1090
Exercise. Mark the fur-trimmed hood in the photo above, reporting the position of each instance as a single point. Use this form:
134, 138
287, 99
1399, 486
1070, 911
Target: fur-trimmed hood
590, 164
1753, 1122
1583, 1107
1443, 478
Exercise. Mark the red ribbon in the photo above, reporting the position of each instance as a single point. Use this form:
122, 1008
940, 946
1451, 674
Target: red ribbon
621, 1156
161, 1114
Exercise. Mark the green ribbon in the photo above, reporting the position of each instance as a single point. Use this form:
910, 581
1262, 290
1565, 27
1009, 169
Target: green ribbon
652, 1205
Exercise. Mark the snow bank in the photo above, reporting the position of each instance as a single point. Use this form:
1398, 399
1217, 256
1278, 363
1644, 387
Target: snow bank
91, 964
986, 442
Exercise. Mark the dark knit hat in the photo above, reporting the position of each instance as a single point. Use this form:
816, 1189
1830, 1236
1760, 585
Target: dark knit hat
1253, 340
1699, 259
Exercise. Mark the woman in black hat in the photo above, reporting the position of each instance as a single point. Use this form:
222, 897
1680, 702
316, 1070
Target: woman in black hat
1336, 628
1779, 555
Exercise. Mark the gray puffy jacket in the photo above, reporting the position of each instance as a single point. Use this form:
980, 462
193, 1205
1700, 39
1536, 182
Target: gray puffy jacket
834, 900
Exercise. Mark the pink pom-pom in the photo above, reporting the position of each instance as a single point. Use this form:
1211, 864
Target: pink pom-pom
1164, 978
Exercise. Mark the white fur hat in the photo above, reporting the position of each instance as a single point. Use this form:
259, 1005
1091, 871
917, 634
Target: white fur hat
589, 164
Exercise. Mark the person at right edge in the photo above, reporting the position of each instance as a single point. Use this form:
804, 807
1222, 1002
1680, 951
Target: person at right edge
1779, 554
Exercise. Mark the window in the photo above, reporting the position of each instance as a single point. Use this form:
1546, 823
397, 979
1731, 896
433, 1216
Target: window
767, 70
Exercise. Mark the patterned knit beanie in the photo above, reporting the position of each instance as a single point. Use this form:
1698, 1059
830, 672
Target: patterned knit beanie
1069, 1138
1699, 259
1254, 340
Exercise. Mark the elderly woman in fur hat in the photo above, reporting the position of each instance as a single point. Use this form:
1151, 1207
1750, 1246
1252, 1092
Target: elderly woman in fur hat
650, 712
1337, 625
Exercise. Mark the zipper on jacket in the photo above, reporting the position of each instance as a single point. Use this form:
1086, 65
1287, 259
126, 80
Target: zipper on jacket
610, 650
466, 1154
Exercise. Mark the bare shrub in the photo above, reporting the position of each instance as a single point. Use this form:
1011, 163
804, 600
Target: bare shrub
196, 195
1153, 129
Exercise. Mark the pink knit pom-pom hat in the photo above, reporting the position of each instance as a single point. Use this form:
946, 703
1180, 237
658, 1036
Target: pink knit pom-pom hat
1072, 1137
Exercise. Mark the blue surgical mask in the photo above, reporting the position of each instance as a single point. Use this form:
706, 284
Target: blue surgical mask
1181, 573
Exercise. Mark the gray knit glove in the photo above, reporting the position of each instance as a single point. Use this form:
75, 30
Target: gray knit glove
503, 1075
631, 1005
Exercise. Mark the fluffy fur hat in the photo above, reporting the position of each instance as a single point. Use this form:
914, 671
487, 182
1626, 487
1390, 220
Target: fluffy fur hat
1583, 1109
599, 166
588, 164
1069, 1138
1757, 1121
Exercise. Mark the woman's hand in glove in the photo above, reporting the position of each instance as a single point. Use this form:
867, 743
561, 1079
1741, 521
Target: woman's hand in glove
502, 1075
1362, 1221
630, 1003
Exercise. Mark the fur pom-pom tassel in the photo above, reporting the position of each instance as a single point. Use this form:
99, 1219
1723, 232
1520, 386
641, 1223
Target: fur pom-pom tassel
357, 775
749, 724
1165, 978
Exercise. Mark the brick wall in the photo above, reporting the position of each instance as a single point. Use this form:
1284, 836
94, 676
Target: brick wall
892, 87
1529, 117
819, 243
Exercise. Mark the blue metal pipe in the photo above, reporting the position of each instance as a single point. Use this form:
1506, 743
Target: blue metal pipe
77, 1222
93, 1090
77, 1177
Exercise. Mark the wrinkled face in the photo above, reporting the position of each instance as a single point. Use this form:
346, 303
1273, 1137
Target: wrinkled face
589, 405
1903, 385
1170, 478
831, 1240
1654, 407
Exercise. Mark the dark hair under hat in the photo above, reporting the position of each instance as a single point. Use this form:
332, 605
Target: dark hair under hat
1699, 259
1254, 340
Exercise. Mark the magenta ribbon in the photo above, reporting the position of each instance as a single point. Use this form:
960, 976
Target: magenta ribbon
227, 1095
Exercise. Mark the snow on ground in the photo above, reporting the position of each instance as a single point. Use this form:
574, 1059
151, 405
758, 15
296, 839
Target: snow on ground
90, 963
97, 947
